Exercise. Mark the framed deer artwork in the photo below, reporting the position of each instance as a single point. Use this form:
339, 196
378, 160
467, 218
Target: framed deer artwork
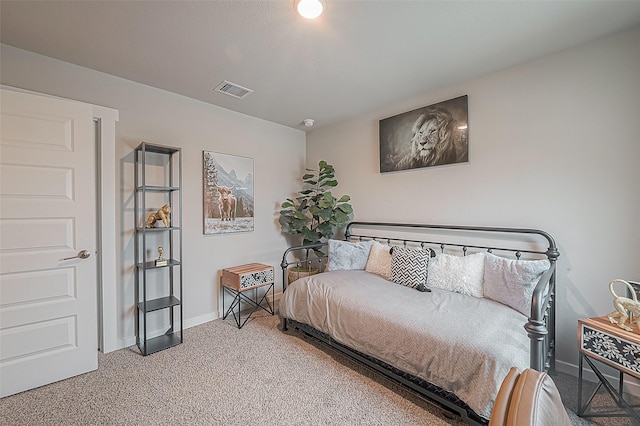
227, 193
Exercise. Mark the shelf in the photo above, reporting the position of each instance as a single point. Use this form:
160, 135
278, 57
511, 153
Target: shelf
162, 342
154, 161
157, 149
155, 188
157, 304
152, 264
171, 228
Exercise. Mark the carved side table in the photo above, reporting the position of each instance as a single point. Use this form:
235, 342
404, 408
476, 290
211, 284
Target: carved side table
242, 279
601, 341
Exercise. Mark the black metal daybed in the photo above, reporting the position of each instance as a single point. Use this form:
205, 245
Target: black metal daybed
537, 327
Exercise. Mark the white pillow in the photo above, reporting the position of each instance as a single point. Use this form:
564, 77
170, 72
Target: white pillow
409, 266
379, 261
461, 274
511, 282
346, 256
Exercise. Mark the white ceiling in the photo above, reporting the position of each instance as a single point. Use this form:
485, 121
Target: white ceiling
359, 56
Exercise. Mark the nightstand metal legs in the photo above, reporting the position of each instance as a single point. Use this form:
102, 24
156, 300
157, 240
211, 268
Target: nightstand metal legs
239, 297
616, 394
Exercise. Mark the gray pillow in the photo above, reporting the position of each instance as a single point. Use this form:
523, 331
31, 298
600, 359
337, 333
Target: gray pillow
409, 266
511, 282
346, 256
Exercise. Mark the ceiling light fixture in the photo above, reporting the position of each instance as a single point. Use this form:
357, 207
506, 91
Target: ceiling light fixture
309, 9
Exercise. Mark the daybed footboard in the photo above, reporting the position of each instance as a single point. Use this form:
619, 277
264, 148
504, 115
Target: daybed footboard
506, 242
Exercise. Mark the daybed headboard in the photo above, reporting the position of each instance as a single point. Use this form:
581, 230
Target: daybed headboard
516, 242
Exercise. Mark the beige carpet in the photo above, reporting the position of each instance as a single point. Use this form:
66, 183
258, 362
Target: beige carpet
225, 376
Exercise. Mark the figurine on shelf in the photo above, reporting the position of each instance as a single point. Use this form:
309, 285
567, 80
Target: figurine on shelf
162, 214
161, 261
622, 305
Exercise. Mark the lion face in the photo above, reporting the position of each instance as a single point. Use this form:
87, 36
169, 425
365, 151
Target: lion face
431, 141
426, 138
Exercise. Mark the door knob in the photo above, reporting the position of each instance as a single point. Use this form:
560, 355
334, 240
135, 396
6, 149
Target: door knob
82, 254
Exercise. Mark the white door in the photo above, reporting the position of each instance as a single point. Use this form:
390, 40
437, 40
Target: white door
48, 305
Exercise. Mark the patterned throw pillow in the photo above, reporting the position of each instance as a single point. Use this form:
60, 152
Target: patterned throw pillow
511, 282
346, 256
409, 266
461, 274
379, 261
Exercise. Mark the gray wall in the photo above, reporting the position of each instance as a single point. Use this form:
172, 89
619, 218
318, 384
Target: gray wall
553, 145
157, 116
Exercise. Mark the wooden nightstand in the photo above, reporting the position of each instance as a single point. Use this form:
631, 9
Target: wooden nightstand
242, 279
602, 341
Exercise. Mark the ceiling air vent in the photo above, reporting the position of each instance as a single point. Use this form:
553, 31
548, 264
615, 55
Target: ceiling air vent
232, 89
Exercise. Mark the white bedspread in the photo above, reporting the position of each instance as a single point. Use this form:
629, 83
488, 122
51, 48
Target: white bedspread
460, 343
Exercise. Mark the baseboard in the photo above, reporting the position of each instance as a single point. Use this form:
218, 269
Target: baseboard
192, 322
631, 385
188, 323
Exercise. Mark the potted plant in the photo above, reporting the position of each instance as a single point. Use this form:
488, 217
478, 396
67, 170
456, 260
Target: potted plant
315, 214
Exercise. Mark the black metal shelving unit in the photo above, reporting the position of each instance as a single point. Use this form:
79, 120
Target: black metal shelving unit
158, 288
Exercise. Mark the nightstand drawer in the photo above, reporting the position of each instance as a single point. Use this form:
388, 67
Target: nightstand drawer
246, 277
606, 342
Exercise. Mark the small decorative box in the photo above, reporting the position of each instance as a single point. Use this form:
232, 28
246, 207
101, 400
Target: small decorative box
246, 277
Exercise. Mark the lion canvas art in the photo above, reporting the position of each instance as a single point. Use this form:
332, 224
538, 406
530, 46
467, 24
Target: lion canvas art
434, 135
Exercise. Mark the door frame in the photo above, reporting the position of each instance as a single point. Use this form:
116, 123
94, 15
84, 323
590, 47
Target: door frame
105, 124
105, 142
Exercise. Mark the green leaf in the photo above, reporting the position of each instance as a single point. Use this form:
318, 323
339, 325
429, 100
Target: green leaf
287, 204
306, 191
294, 228
346, 208
341, 218
325, 214
326, 230
328, 196
310, 236
322, 164
327, 174
325, 203
330, 183
308, 176
344, 199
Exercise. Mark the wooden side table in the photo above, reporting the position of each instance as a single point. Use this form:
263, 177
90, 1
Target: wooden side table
600, 340
242, 279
